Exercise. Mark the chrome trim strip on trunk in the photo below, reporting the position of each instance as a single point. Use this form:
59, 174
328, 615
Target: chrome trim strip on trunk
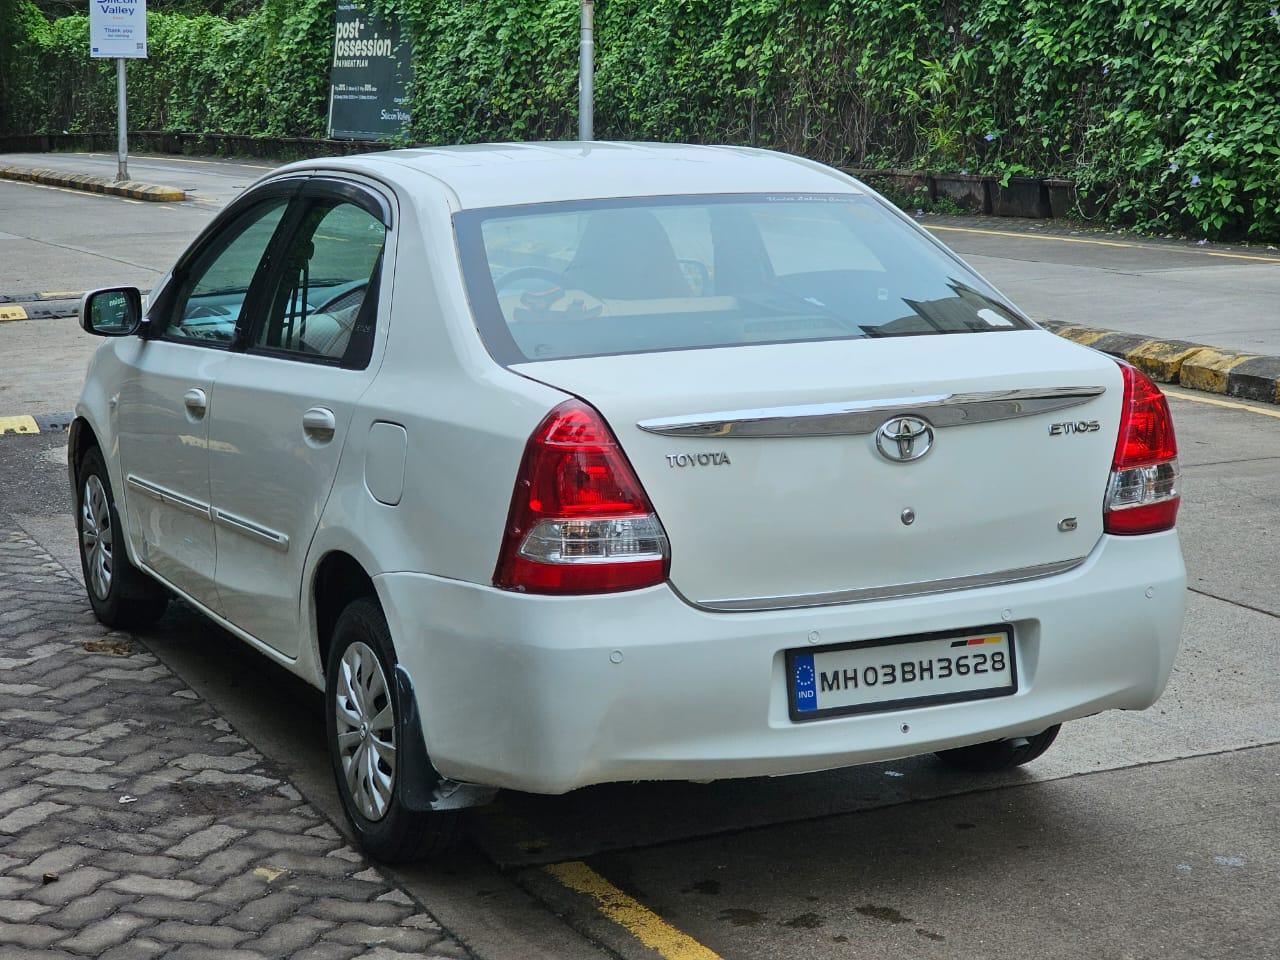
250, 529
862, 417
165, 495
896, 592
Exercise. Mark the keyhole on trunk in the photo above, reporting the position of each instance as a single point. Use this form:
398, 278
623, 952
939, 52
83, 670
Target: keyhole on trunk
908, 517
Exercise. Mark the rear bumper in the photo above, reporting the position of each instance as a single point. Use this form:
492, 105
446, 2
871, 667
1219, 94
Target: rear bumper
524, 692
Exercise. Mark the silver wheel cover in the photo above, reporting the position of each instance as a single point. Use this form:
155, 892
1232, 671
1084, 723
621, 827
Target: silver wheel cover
97, 539
366, 730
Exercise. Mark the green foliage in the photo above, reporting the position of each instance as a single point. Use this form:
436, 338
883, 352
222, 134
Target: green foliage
1113, 93
915, 200
266, 73
1169, 110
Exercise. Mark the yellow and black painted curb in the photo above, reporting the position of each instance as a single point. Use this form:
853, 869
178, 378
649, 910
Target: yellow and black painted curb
39, 306
1248, 376
25, 424
130, 189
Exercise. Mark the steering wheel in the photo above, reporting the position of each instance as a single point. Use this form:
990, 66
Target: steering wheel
528, 273
359, 287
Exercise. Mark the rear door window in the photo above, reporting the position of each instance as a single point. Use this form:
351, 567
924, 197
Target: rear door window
323, 301
551, 281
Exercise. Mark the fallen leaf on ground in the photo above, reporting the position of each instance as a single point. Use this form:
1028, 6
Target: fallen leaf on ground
115, 648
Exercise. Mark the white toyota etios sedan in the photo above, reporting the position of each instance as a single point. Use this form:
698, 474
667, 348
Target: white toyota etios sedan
561, 464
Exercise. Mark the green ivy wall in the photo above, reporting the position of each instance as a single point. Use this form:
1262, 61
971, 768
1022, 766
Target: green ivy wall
1169, 107
264, 73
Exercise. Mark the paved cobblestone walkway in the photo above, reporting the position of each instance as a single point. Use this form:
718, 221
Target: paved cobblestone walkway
135, 823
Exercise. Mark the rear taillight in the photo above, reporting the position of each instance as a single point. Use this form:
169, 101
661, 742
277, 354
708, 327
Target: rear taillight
1142, 496
579, 521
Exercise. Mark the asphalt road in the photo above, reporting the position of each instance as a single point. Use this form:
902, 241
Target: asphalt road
1215, 294
54, 239
1137, 835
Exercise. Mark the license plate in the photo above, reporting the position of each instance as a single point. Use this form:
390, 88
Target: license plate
897, 672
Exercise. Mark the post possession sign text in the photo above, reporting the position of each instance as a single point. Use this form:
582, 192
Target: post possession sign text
370, 76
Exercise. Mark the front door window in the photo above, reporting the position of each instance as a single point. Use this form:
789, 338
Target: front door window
216, 287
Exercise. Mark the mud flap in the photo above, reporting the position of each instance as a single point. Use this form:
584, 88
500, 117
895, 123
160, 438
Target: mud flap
421, 787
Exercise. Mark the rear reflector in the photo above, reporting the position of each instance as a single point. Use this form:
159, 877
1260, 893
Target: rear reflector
579, 520
1142, 495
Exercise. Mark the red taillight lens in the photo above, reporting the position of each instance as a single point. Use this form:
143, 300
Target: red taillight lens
1142, 496
579, 521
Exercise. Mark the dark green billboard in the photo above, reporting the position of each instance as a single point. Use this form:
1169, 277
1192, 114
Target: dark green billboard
369, 76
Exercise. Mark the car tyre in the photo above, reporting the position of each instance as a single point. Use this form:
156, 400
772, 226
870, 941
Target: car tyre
122, 596
997, 755
363, 716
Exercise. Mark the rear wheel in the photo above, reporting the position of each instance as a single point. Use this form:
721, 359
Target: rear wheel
997, 755
122, 596
366, 730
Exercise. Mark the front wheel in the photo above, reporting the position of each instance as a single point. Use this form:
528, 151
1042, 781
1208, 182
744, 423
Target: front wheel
367, 734
122, 596
997, 755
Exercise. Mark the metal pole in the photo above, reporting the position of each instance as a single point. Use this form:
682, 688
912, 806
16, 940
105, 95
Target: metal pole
586, 73
122, 124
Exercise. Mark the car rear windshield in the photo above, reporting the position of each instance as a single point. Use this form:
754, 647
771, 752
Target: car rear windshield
592, 278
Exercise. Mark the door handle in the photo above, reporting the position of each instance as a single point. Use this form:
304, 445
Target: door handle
319, 424
196, 402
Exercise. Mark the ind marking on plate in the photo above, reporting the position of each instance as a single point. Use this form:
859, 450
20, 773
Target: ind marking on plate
806, 681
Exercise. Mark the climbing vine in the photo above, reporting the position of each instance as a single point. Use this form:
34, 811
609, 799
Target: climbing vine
1168, 111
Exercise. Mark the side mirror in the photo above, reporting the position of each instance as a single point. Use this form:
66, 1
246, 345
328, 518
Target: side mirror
111, 312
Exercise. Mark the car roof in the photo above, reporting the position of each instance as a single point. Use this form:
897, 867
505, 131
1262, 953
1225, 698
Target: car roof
504, 174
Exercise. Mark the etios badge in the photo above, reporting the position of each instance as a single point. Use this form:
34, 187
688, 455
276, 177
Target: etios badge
904, 439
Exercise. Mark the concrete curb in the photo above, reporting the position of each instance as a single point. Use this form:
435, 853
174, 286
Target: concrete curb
37, 306
49, 305
27, 424
130, 189
1247, 376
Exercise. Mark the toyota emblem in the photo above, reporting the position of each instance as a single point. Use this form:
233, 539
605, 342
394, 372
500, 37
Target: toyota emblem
904, 439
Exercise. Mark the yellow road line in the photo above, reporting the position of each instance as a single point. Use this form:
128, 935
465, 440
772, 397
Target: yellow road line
1237, 256
633, 916
1032, 236
59, 294
211, 163
142, 161
1215, 402
19, 424
1100, 243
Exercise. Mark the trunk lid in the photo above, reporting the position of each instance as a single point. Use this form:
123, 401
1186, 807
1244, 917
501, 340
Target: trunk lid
764, 513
